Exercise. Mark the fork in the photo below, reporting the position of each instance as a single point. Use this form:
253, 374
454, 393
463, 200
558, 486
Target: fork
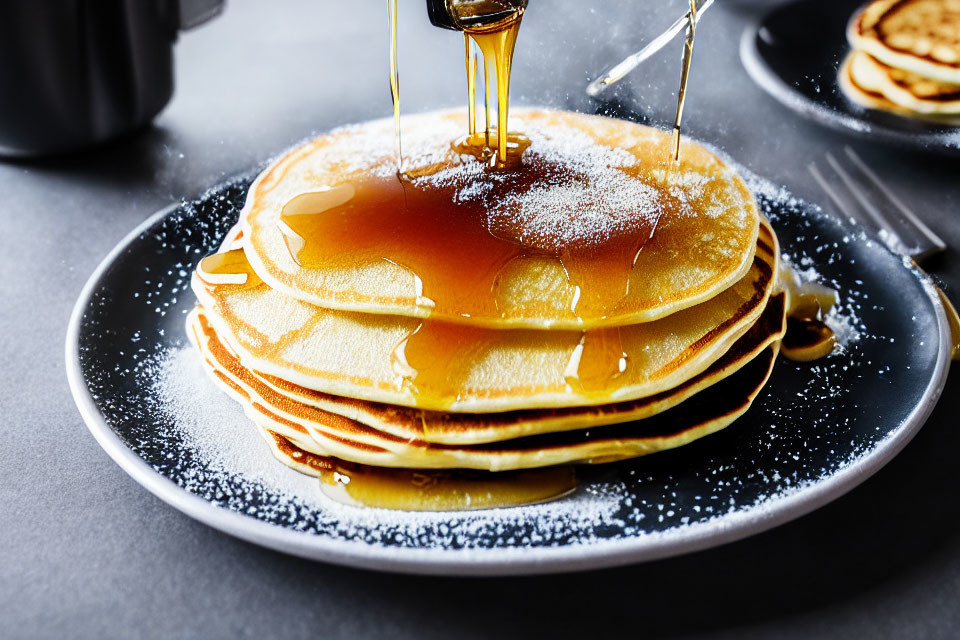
862, 197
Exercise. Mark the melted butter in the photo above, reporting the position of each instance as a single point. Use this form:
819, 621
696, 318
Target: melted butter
229, 268
807, 337
453, 490
807, 340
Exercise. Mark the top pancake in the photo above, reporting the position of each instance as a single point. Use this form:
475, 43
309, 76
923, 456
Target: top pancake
919, 36
605, 231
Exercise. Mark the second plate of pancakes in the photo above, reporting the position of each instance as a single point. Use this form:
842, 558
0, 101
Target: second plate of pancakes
795, 51
805, 441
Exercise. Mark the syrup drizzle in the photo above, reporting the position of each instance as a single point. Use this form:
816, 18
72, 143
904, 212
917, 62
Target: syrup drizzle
497, 43
395, 82
496, 36
470, 56
684, 76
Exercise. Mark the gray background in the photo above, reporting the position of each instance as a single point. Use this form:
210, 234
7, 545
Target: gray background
87, 553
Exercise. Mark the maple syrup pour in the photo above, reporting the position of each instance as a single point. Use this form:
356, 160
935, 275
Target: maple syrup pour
493, 26
684, 77
485, 149
470, 56
446, 490
395, 82
229, 268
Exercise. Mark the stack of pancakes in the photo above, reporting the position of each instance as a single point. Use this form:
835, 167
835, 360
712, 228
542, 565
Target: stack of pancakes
905, 57
533, 344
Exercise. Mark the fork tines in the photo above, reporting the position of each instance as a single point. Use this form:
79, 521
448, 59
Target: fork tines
859, 194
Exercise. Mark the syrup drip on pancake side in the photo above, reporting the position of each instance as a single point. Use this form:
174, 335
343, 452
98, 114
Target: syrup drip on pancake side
229, 268
597, 360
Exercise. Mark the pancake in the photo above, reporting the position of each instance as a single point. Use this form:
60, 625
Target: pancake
468, 429
918, 36
444, 367
346, 439
295, 434
892, 88
600, 229
866, 96
287, 451
423, 489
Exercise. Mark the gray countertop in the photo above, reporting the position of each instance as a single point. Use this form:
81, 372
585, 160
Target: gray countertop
88, 553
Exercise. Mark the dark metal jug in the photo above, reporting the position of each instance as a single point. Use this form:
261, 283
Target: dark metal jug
77, 72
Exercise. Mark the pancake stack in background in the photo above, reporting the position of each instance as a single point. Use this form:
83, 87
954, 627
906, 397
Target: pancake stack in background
458, 339
905, 58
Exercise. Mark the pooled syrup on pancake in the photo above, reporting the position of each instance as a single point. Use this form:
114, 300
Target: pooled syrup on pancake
444, 490
459, 232
456, 231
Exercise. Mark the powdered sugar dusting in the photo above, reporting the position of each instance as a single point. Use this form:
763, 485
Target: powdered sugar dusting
589, 199
812, 423
584, 193
227, 447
